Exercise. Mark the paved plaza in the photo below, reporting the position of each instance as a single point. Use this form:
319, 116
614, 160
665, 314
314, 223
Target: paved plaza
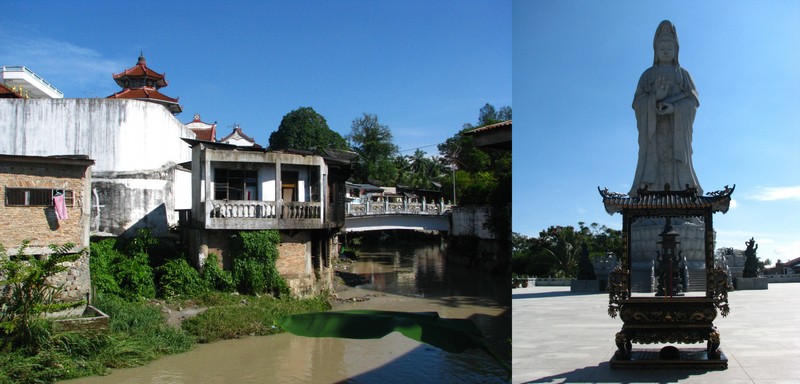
561, 337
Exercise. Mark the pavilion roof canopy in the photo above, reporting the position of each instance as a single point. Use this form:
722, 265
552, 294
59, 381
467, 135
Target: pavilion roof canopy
686, 201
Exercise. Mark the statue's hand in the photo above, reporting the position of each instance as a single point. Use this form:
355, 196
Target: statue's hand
664, 108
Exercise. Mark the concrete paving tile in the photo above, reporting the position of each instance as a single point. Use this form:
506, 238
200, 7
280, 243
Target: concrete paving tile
560, 337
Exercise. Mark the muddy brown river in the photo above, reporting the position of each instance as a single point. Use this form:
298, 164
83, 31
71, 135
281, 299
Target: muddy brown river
413, 279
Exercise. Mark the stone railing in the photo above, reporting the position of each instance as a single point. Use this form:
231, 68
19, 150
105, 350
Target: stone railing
242, 208
254, 209
302, 210
405, 207
795, 278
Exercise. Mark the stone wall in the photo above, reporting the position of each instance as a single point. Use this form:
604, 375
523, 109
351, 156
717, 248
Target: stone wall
471, 221
75, 281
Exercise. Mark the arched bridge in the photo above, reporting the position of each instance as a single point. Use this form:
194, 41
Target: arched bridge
378, 216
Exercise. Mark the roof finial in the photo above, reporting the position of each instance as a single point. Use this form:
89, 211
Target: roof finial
141, 58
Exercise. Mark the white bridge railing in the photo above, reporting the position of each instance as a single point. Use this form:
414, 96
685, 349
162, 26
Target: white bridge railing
405, 207
220, 209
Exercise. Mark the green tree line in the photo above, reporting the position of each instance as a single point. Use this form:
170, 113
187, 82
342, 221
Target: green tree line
479, 177
556, 251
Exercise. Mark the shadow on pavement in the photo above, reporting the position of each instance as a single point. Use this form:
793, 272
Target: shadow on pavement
536, 295
603, 373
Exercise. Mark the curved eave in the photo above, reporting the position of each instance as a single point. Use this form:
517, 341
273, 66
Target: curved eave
718, 201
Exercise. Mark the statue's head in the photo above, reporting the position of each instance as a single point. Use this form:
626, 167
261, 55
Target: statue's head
665, 43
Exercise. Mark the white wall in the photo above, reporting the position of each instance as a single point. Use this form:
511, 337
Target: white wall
120, 135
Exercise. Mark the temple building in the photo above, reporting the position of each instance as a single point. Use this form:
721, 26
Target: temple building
237, 137
204, 131
142, 83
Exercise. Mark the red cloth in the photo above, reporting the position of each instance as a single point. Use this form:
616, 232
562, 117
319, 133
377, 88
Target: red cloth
61, 207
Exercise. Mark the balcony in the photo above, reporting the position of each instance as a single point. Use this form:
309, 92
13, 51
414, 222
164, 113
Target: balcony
254, 214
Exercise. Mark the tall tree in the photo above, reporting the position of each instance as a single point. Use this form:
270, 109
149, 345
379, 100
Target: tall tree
372, 141
305, 129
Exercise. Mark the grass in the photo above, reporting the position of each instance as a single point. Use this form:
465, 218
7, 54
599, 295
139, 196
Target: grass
138, 334
237, 316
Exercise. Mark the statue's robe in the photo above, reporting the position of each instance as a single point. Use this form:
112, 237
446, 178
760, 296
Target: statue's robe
665, 141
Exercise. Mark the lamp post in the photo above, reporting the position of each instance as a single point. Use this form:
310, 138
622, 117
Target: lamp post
453, 169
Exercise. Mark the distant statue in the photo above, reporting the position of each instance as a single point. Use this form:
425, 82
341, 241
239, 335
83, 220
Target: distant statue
751, 260
665, 103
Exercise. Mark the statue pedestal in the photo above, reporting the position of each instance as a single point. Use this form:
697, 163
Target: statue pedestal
585, 286
644, 248
748, 283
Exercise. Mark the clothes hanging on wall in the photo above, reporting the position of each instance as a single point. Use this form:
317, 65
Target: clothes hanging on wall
60, 206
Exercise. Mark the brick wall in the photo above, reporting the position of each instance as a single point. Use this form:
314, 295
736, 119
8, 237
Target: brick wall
293, 251
39, 224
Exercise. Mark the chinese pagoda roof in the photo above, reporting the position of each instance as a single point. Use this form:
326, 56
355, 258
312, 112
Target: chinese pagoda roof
149, 94
667, 201
141, 70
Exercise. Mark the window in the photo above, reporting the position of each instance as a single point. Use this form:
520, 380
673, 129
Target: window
232, 184
36, 197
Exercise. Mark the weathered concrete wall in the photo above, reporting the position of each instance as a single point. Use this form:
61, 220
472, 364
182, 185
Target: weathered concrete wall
133, 200
471, 221
120, 135
135, 145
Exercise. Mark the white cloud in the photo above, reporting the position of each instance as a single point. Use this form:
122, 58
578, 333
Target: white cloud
70, 68
777, 193
734, 204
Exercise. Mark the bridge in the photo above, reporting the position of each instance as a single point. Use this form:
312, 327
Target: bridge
385, 215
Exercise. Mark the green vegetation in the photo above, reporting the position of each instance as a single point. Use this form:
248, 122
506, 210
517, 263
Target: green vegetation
372, 141
27, 294
254, 263
124, 268
557, 250
125, 278
177, 278
232, 316
305, 129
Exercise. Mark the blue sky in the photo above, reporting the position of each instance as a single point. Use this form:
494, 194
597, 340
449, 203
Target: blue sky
425, 68
575, 68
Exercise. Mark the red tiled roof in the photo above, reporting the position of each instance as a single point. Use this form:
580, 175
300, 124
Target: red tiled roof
141, 70
142, 93
7, 93
204, 134
148, 94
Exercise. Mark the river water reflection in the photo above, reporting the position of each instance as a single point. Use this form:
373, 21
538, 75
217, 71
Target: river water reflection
413, 279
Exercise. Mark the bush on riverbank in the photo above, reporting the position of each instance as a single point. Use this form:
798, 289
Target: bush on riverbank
125, 277
232, 316
137, 334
